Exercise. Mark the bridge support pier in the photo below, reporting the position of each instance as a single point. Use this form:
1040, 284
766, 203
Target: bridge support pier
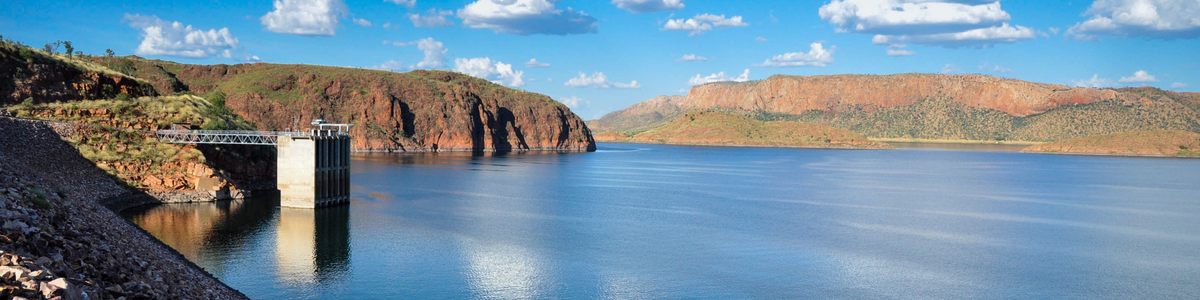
314, 170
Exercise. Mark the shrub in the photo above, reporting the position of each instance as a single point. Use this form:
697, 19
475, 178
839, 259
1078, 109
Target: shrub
39, 198
216, 98
122, 97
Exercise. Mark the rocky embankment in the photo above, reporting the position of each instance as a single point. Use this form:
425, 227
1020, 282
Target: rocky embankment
927, 107
118, 135
59, 241
1161, 143
413, 111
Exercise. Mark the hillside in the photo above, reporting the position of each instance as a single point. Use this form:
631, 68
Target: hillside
40, 77
1138, 143
117, 136
928, 106
413, 111
723, 128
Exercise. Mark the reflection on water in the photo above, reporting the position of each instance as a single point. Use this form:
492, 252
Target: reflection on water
312, 245
653, 221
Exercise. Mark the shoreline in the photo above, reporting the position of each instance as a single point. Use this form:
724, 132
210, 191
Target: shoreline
744, 146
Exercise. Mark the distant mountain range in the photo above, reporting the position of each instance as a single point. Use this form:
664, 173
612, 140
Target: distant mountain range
923, 107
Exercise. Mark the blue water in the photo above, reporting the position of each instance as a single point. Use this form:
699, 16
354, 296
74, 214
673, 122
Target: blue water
650, 221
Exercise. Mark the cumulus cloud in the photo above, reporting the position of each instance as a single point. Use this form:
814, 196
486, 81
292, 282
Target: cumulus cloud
495, 71
405, 3
305, 17
760, 39
599, 80
817, 56
572, 102
432, 18
948, 23
703, 22
534, 63
362, 22
525, 17
161, 37
1141, 76
641, 6
1178, 85
719, 76
692, 57
1154, 18
1094, 82
391, 65
435, 52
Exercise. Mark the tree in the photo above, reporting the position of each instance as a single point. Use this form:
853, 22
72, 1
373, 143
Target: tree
109, 53
68, 47
49, 48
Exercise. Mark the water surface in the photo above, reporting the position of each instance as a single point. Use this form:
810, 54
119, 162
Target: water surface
651, 221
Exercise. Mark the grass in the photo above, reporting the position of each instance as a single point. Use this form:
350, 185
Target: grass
39, 198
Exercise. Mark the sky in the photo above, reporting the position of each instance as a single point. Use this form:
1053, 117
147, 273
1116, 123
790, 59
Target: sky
598, 56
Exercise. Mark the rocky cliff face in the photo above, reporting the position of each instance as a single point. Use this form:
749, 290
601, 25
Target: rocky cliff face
414, 111
634, 118
798, 94
32, 74
928, 106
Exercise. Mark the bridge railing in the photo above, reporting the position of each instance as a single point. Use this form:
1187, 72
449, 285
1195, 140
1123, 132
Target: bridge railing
228, 137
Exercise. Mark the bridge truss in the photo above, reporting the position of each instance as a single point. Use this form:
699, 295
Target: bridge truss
225, 137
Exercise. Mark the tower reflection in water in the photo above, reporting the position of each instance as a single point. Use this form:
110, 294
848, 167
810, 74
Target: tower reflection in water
312, 245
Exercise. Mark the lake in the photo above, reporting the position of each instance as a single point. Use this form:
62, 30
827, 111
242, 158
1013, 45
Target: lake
657, 221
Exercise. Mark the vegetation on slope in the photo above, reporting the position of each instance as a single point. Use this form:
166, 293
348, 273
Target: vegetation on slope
1137, 143
413, 111
118, 135
40, 76
725, 128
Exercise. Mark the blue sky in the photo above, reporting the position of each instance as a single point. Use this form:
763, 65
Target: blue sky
638, 45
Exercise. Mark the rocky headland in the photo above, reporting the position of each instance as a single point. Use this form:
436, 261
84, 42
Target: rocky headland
1159, 143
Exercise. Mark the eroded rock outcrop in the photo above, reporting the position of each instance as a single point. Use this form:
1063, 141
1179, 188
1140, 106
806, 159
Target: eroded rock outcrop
31, 74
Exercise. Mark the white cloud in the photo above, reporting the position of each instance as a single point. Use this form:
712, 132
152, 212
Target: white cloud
572, 101
495, 71
305, 17
692, 57
362, 22
948, 69
760, 39
161, 37
641, 6
1094, 82
405, 3
817, 56
718, 77
434, 50
970, 38
391, 65
1140, 76
1155, 18
252, 58
534, 63
898, 50
525, 17
703, 22
1178, 85
993, 68
432, 18
948, 23
599, 80
387, 25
